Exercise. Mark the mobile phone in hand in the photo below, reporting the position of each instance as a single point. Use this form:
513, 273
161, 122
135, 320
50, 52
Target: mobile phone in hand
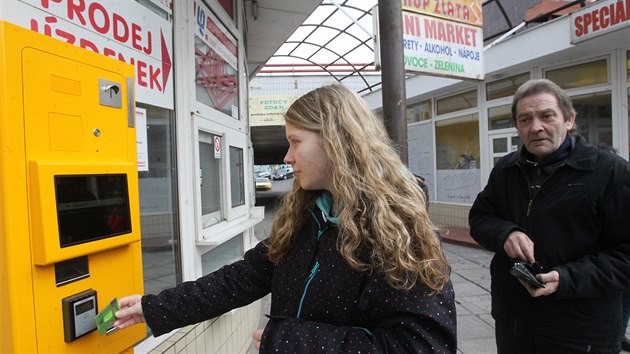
526, 272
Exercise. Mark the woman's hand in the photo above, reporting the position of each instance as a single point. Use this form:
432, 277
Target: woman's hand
257, 336
130, 312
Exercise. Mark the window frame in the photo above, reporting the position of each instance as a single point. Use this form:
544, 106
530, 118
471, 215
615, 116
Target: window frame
594, 88
216, 234
241, 183
606, 59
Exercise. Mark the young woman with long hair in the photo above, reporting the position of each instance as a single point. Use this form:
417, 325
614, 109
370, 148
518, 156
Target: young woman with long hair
353, 262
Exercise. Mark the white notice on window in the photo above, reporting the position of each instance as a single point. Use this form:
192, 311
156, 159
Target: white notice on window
141, 139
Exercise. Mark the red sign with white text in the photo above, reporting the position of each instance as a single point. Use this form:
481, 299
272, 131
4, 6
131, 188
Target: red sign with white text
593, 21
124, 30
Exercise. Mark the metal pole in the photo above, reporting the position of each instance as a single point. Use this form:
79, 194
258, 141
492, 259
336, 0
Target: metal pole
393, 74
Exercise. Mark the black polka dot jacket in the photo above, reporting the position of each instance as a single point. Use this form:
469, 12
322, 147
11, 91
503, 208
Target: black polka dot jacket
319, 304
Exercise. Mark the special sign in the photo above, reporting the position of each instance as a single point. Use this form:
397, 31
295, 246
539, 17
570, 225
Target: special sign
124, 30
604, 17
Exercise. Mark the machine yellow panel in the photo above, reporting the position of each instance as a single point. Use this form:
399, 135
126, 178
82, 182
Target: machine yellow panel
65, 118
69, 207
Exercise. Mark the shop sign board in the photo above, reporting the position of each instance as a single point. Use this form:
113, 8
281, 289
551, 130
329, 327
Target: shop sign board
465, 11
603, 17
434, 46
125, 30
210, 29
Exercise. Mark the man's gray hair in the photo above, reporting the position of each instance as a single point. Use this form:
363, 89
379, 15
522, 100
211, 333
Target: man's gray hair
536, 86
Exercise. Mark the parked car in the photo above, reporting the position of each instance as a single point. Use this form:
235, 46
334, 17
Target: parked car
283, 173
263, 184
263, 174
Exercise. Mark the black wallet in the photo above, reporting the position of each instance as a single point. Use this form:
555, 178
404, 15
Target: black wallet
527, 273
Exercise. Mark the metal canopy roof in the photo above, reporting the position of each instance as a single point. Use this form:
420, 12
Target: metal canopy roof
337, 38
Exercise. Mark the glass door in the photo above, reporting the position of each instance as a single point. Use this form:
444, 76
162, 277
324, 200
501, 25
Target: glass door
502, 144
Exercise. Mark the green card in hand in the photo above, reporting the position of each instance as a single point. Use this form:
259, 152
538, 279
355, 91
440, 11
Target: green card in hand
106, 318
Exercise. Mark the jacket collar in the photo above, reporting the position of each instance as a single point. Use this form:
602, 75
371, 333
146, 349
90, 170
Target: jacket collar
324, 202
582, 156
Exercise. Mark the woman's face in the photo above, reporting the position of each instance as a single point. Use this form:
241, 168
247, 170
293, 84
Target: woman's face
309, 160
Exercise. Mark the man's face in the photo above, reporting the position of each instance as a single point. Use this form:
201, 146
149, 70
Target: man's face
540, 124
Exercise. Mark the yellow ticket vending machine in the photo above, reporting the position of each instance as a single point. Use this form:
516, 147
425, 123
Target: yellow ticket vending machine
69, 209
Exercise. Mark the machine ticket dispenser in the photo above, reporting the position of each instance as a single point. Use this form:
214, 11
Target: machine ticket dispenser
69, 208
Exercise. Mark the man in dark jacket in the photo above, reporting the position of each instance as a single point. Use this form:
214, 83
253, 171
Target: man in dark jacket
564, 205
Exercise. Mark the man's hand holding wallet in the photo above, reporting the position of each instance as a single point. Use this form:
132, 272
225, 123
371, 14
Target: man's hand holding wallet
527, 273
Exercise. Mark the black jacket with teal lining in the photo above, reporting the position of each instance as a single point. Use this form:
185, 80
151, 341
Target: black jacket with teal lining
319, 303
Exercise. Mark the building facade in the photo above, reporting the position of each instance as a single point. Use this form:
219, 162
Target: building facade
458, 129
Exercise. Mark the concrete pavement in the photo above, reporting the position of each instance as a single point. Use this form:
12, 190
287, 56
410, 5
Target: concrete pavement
471, 279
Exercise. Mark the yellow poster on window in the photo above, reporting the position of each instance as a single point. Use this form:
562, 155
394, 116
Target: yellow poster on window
269, 110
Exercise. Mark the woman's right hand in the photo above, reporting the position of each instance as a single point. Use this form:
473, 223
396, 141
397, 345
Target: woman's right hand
257, 337
130, 312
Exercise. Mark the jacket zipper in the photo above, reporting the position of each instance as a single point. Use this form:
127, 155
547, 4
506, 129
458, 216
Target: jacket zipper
308, 282
320, 232
532, 197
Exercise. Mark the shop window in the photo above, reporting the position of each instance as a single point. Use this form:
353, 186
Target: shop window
421, 153
581, 75
500, 117
419, 111
209, 180
505, 87
158, 211
216, 64
594, 117
457, 153
457, 102
226, 253
237, 176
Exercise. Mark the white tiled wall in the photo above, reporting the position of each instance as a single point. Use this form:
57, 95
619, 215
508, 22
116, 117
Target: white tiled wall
227, 334
449, 215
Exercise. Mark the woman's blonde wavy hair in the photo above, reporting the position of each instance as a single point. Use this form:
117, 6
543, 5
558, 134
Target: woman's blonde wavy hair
382, 209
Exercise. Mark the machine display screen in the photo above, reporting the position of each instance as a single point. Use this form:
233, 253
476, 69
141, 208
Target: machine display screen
91, 207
